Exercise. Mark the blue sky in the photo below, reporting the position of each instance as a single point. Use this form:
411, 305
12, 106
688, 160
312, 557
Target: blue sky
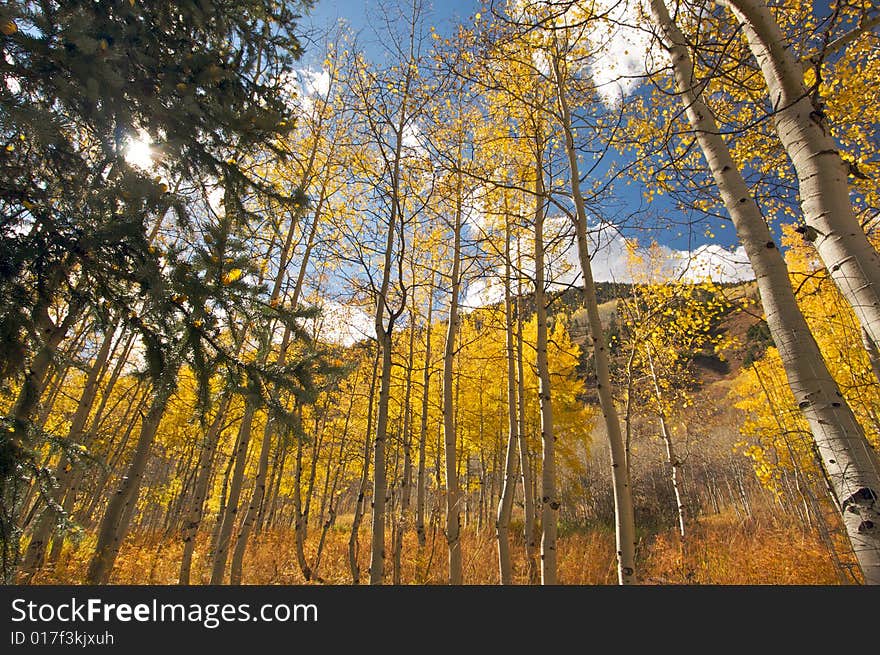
362, 15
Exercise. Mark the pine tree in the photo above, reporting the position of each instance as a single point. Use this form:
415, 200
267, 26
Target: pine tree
201, 81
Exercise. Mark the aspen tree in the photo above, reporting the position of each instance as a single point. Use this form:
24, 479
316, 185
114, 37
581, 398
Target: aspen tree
505, 503
799, 119
850, 464
623, 504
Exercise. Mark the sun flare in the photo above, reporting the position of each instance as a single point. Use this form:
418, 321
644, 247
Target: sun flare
139, 153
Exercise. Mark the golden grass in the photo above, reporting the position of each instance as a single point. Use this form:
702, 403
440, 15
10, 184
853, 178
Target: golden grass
721, 550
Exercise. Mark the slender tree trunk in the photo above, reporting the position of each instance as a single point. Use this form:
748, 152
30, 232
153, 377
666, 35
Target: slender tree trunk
266, 508
851, 466
843, 246
421, 477
365, 476
529, 524
505, 503
66, 469
117, 516
380, 484
227, 520
671, 459
384, 320
406, 480
201, 489
549, 497
299, 518
453, 500
623, 506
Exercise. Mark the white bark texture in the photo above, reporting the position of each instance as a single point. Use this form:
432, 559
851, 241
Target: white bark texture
842, 245
623, 505
851, 466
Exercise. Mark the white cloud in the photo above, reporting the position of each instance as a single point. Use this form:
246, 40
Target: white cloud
617, 43
716, 263
623, 49
306, 84
342, 324
315, 82
611, 263
413, 139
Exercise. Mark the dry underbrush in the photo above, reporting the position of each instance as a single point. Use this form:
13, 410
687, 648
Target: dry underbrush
720, 549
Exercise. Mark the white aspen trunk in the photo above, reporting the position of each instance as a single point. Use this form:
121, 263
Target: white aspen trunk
259, 491
227, 521
453, 500
330, 495
525, 466
380, 483
623, 505
671, 459
505, 503
843, 246
365, 476
406, 481
117, 516
200, 491
299, 519
66, 470
549, 497
850, 465
421, 477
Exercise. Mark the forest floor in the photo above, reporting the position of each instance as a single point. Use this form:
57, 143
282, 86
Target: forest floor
721, 549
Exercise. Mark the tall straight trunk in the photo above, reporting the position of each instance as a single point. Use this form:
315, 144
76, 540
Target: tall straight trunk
549, 497
35, 378
525, 466
421, 477
136, 405
329, 496
384, 320
851, 260
272, 512
850, 465
406, 479
380, 483
331, 503
196, 510
274, 479
365, 476
623, 504
117, 516
299, 517
453, 501
505, 503
259, 490
671, 458
66, 469
227, 520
